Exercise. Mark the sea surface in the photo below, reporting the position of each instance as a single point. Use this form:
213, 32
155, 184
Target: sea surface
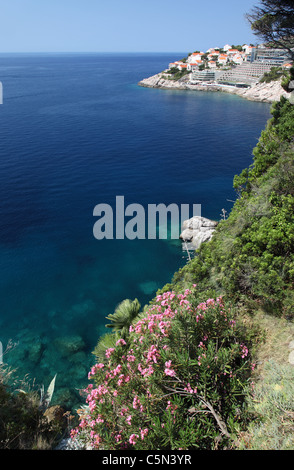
76, 131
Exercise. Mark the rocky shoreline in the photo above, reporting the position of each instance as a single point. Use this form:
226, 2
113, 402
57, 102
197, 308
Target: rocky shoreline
262, 92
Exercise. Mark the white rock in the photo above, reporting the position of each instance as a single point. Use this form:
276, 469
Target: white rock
199, 223
187, 235
291, 357
197, 230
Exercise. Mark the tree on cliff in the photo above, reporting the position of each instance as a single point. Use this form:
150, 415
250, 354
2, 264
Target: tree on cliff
273, 22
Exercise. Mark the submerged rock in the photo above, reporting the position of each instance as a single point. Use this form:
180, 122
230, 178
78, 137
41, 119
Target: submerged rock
35, 352
149, 287
197, 230
69, 344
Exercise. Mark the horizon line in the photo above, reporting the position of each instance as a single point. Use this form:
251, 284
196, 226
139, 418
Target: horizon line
95, 52
91, 52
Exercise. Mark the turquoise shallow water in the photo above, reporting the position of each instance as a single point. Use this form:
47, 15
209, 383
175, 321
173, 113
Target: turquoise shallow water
77, 131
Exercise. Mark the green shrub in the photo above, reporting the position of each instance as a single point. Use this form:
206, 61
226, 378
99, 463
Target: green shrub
23, 421
176, 382
251, 254
274, 74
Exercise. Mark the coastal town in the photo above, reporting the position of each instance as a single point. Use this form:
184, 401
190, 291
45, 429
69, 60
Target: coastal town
223, 64
234, 69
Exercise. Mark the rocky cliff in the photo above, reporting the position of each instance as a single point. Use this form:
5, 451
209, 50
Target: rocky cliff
162, 80
265, 92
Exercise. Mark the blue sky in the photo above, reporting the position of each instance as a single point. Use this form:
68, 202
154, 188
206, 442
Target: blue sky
122, 25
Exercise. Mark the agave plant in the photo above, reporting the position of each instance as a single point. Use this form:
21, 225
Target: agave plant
46, 398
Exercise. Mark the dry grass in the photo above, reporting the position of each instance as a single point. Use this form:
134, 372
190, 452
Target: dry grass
272, 399
278, 334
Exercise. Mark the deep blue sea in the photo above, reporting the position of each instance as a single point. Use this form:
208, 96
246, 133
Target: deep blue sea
77, 131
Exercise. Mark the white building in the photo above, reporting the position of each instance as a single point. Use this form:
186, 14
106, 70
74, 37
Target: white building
237, 59
195, 56
227, 47
195, 65
247, 49
182, 66
203, 76
223, 59
233, 51
213, 54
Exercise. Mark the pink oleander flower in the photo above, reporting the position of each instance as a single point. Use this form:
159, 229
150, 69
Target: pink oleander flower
202, 306
73, 433
108, 352
147, 371
171, 407
168, 371
99, 419
120, 380
117, 370
97, 440
244, 351
189, 389
133, 439
83, 424
144, 433
131, 357
117, 437
94, 369
152, 354
120, 341
136, 402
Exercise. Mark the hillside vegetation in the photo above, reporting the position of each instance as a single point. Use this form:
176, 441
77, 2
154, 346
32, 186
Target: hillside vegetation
179, 374
250, 257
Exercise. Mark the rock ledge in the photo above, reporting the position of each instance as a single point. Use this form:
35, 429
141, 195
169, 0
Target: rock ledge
197, 230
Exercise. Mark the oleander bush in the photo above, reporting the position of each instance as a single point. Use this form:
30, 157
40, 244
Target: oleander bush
177, 381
